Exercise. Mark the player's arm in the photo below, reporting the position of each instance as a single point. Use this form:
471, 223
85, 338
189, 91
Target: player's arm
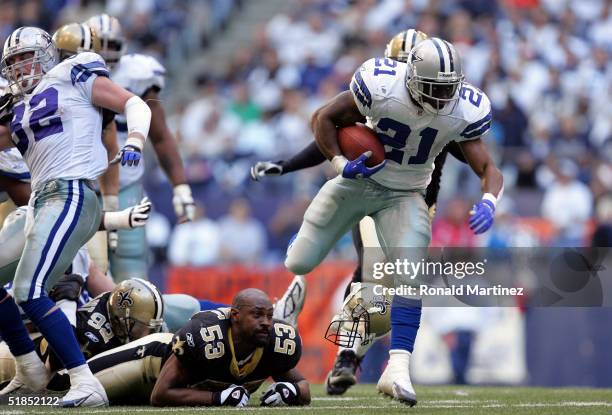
18, 191
290, 388
109, 181
479, 159
309, 157
5, 138
109, 95
169, 158
171, 387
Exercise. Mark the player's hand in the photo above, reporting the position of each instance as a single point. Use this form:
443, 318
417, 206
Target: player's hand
481, 216
234, 395
182, 200
266, 168
130, 218
357, 168
129, 155
280, 394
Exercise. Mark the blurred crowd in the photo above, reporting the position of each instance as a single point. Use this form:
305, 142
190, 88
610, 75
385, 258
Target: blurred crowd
545, 65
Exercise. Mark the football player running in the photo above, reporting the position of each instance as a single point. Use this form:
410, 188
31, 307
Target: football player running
219, 358
416, 108
56, 126
354, 347
144, 76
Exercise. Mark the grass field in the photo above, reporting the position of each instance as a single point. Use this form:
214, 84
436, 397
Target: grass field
363, 399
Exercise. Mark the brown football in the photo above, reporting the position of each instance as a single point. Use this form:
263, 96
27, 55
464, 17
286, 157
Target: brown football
357, 139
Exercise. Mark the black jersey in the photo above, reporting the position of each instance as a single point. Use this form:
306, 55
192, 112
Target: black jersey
205, 349
93, 329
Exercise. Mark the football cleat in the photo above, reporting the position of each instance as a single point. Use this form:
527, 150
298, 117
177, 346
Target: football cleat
290, 305
342, 376
395, 380
88, 393
30, 373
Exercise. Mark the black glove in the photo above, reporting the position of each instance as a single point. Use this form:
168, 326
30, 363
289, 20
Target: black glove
281, 394
67, 288
234, 395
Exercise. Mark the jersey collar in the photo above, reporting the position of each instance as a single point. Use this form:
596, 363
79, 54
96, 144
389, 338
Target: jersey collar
247, 368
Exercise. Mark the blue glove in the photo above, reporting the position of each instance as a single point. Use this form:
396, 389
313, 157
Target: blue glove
129, 155
357, 168
482, 215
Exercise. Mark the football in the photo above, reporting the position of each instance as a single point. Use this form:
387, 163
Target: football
357, 139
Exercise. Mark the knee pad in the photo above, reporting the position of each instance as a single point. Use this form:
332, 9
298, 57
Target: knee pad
303, 256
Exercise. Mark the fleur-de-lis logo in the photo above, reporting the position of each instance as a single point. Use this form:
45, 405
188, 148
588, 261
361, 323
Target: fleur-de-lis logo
125, 300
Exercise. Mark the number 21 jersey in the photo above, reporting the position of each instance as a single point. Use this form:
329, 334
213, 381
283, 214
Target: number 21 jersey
56, 127
413, 137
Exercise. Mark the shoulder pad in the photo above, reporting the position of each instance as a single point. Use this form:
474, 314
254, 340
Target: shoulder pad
139, 73
83, 64
474, 108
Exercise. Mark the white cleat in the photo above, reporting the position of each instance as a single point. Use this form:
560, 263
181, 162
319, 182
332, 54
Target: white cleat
30, 373
290, 305
88, 393
395, 380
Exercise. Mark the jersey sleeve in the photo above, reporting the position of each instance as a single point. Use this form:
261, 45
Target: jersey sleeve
140, 73
364, 88
85, 67
185, 346
476, 113
287, 347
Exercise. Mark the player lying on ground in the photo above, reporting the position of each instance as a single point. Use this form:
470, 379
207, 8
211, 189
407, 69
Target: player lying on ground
64, 155
348, 358
220, 358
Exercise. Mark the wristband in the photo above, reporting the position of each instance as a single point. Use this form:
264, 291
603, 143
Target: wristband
110, 203
490, 198
339, 162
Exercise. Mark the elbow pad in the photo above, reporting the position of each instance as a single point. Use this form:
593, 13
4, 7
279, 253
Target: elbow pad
138, 116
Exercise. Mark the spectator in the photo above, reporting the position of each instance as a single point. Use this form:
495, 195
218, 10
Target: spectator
243, 237
195, 243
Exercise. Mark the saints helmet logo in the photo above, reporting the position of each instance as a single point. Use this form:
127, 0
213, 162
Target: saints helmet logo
125, 300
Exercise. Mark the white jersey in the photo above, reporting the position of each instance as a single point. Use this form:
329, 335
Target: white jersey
138, 74
412, 137
13, 166
56, 127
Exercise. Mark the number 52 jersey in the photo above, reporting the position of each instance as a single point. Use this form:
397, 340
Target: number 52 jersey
56, 127
205, 348
413, 137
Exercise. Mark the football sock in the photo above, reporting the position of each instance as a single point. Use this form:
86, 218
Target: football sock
210, 305
55, 327
405, 322
12, 329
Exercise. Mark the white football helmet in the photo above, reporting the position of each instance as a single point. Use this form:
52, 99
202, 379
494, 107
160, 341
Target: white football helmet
434, 75
25, 74
108, 30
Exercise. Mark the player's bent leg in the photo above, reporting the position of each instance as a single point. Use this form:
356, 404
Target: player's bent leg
178, 310
130, 259
129, 372
332, 212
66, 214
7, 365
12, 241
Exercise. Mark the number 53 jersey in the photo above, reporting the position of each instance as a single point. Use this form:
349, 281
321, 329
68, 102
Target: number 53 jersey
413, 137
56, 127
205, 348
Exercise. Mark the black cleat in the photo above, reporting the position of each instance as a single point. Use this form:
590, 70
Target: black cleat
342, 376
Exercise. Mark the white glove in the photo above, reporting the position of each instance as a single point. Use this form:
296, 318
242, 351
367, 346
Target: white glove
184, 207
280, 394
234, 395
110, 203
130, 218
266, 168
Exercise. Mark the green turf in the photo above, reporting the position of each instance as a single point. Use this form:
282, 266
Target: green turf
363, 399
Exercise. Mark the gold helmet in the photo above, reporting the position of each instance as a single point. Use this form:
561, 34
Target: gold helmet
365, 315
136, 308
74, 38
401, 44
108, 29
